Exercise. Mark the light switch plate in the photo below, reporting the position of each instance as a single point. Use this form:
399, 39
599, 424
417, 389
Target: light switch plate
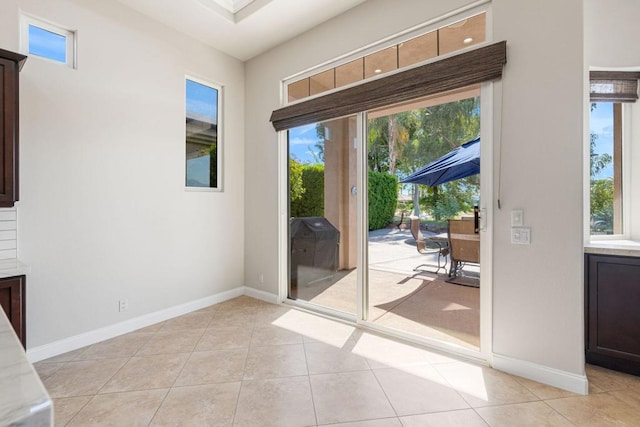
521, 235
517, 218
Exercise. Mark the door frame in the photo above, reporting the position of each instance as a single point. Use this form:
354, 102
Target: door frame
486, 242
486, 209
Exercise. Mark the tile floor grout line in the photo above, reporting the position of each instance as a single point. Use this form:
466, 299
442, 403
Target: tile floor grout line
235, 408
479, 415
313, 400
395, 411
514, 404
204, 331
450, 385
114, 374
182, 369
397, 418
77, 412
155, 413
244, 369
558, 412
129, 391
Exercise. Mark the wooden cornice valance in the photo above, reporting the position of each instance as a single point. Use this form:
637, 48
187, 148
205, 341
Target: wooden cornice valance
467, 68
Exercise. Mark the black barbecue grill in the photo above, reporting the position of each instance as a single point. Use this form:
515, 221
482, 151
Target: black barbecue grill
314, 250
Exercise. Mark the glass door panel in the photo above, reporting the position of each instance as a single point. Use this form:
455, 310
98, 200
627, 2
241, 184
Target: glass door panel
322, 210
412, 286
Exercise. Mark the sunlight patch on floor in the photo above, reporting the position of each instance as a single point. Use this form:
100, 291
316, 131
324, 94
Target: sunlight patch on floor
315, 328
455, 307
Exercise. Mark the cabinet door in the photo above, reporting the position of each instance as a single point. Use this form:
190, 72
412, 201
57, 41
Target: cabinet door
614, 312
13, 302
9, 132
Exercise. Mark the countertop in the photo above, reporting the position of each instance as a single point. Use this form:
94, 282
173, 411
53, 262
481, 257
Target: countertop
613, 247
23, 399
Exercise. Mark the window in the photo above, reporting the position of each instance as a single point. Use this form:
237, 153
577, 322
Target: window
450, 38
606, 139
48, 41
612, 95
203, 149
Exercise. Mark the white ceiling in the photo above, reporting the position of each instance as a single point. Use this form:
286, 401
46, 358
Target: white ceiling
242, 28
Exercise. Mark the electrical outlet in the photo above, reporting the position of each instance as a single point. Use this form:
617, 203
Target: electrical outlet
261, 278
123, 305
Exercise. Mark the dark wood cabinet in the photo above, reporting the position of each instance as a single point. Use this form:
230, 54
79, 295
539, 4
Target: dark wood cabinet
13, 300
10, 66
612, 312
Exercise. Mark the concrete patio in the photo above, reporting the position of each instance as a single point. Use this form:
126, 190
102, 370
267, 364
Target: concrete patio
417, 302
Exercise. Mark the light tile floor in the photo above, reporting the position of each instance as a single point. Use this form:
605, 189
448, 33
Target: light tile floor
248, 363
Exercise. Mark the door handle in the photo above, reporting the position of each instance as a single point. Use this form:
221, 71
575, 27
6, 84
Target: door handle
483, 219
479, 219
476, 220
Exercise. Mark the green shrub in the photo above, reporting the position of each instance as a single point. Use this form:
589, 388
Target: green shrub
311, 201
296, 189
602, 206
383, 198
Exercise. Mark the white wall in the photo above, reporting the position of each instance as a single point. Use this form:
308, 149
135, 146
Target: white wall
538, 289
103, 214
611, 34
538, 311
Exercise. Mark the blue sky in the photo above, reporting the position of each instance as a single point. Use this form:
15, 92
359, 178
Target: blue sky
601, 123
47, 44
302, 143
202, 100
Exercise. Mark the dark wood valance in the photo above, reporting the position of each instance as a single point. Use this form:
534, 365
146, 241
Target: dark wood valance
613, 86
471, 67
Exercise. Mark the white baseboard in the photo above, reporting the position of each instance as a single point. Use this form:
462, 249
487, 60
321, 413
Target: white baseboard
543, 374
261, 295
55, 348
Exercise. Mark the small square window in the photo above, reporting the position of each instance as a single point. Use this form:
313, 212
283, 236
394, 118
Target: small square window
298, 90
462, 34
418, 49
350, 72
322, 82
48, 41
203, 131
381, 62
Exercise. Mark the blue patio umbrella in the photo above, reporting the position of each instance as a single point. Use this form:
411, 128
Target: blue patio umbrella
456, 164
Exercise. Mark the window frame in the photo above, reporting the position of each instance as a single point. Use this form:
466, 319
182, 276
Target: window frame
70, 39
219, 134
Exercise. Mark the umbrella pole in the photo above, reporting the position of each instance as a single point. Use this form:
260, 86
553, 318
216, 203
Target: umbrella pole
416, 205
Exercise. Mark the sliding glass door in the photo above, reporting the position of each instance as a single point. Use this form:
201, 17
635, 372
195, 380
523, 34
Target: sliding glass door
323, 220
367, 243
423, 165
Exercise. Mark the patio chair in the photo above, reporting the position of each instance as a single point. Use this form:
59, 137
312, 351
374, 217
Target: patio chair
429, 247
464, 244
